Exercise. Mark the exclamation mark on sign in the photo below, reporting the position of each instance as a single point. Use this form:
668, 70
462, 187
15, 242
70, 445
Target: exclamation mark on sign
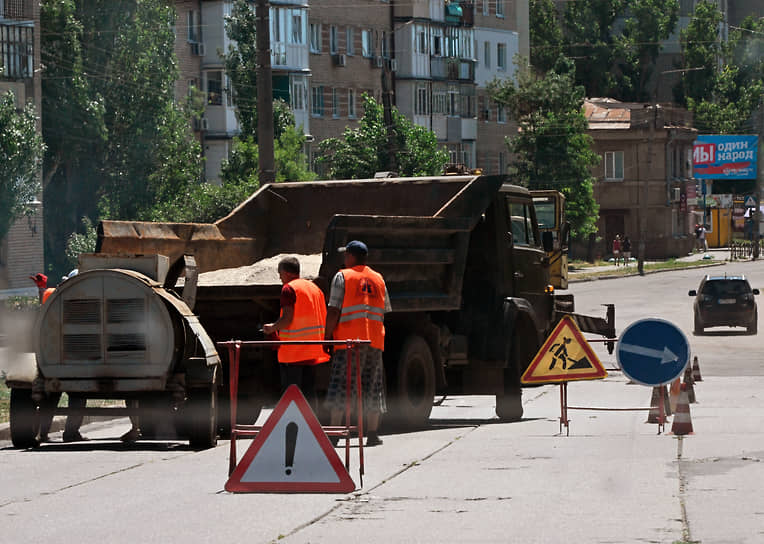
291, 442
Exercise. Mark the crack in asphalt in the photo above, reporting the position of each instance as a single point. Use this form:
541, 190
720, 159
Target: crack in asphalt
682, 476
362, 497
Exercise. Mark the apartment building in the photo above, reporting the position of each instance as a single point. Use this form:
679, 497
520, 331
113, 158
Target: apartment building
21, 252
201, 40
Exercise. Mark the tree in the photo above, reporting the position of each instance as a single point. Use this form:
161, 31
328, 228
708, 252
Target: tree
591, 43
21, 153
364, 150
648, 23
701, 53
545, 34
240, 64
552, 149
729, 108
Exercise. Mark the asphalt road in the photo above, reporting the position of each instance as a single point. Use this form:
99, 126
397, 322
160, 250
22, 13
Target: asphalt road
467, 478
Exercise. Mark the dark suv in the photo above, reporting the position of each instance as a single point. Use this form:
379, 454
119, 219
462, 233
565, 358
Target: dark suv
725, 301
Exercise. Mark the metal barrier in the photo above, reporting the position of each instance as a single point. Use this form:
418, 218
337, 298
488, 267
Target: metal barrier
343, 431
744, 249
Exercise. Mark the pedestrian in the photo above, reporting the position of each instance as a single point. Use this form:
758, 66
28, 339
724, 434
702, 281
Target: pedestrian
50, 401
302, 317
626, 250
702, 241
358, 302
617, 248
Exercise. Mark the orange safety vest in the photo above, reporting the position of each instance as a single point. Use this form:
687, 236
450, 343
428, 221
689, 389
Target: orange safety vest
308, 323
363, 309
46, 294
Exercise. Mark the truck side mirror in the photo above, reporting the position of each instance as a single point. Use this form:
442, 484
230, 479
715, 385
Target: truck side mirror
755, 291
565, 236
547, 240
692, 293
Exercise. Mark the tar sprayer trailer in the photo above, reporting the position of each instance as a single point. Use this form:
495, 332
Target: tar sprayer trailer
462, 256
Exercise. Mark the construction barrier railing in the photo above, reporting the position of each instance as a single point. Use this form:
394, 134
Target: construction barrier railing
744, 249
342, 431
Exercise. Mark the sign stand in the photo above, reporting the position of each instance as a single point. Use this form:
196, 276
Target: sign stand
564, 408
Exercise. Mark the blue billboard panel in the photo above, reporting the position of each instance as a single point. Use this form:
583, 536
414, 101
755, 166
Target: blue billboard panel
725, 157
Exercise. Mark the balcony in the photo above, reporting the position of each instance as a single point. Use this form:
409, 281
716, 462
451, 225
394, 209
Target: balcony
452, 69
17, 10
288, 56
16, 50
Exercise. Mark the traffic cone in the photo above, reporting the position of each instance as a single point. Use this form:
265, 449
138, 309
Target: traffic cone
689, 382
654, 415
674, 397
696, 377
682, 421
666, 400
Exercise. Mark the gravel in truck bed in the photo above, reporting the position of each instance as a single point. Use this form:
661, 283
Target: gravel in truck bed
263, 272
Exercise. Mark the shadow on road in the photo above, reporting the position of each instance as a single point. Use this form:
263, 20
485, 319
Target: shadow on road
108, 444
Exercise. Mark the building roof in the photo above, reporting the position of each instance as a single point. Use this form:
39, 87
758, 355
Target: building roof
611, 114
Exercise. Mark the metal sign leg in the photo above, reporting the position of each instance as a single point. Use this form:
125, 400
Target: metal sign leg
359, 407
234, 352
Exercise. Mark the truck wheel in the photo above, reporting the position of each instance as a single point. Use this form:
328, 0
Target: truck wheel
201, 417
509, 405
25, 422
411, 402
157, 417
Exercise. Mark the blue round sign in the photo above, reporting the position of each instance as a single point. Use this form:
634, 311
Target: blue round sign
652, 352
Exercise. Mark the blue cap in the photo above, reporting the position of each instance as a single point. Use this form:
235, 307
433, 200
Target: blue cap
356, 247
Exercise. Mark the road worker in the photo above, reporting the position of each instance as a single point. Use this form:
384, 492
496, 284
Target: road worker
302, 317
358, 302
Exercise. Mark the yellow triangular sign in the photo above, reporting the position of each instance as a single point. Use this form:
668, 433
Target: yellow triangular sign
566, 356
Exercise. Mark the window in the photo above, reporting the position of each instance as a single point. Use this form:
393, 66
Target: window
277, 18
193, 27
366, 46
351, 103
614, 165
501, 113
486, 8
439, 101
317, 101
315, 37
421, 101
499, 8
522, 224
487, 54
437, 45
501, 56
383, 48
420, 45
333, 40
299, 95
349, 37
453, 101
228, 92
296, 35
467, 106
215, 88
335, 103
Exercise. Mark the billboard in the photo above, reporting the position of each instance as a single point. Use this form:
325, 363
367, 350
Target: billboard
725, 157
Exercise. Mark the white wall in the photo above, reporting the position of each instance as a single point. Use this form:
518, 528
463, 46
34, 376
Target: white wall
485, 74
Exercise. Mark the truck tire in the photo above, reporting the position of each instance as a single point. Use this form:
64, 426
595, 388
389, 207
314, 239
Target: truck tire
201, 417
25, 422
157, 419
509, 405
414, 387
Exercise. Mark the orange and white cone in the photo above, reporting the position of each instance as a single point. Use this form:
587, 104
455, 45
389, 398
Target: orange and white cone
682, 421
654, 415
690, 383
696, 370
666, 400
674, 396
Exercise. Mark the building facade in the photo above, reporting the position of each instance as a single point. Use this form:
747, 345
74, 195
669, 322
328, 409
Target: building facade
21, 252
645, 169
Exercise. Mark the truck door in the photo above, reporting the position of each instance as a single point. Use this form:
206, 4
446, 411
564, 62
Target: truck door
531, 276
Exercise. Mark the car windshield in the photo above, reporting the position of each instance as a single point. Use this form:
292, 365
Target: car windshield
725, 288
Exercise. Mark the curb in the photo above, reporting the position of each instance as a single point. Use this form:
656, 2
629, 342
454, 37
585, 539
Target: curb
647, 272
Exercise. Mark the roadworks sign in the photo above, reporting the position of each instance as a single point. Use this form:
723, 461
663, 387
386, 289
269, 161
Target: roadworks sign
291, 454
566, 356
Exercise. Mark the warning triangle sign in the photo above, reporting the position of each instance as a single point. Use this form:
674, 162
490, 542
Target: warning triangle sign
566, 356
291, 454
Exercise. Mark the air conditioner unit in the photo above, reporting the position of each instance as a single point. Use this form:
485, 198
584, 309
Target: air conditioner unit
393, 65
340, 60
198, 49
203, 125
380, 62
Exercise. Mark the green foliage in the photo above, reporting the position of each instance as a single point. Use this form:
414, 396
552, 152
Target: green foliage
545, 34
21, 154
203, 202
590, 41
701, 48
730, 106
647, 24
81, 242
364, 150
240, 64
552, 149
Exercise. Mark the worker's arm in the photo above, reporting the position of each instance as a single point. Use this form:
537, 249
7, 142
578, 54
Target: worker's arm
332, 318
287, 314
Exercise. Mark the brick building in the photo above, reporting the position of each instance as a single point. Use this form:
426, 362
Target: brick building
21, 252
639, 160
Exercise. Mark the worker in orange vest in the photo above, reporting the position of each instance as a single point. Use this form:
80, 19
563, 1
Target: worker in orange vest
358, 302
302, 317
50, 402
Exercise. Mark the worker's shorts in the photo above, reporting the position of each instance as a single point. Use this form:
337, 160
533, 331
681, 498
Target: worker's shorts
372, 380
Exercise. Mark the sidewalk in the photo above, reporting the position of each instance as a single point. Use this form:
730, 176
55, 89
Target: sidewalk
715, 256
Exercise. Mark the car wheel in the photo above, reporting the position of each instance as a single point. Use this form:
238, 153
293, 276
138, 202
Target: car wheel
753, 327
698, 326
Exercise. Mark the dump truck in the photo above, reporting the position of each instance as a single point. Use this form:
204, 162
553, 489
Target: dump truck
465, 265
550, 213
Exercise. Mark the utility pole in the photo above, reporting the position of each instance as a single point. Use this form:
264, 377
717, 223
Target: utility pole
265, 136
645, 188
387, 97
759, 183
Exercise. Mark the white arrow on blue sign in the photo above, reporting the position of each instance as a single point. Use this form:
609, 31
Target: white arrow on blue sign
652, 352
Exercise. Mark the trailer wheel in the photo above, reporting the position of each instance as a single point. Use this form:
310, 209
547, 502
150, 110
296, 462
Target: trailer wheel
201, 417
509, 405
414, 388
25, 422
